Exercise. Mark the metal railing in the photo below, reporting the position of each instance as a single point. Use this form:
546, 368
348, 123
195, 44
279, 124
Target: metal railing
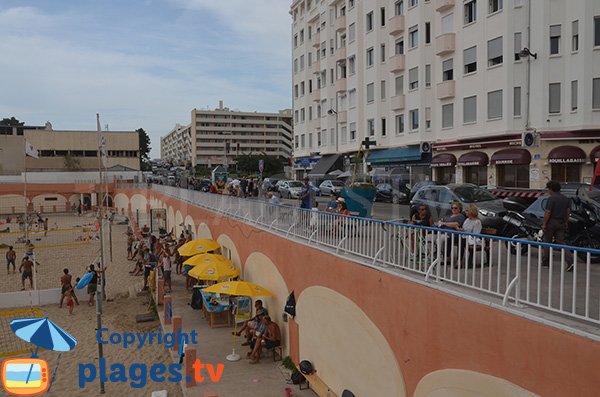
566, 283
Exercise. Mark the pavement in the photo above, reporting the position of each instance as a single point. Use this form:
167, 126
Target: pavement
240, 378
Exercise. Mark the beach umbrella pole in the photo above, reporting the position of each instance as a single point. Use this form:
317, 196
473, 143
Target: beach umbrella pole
234, 356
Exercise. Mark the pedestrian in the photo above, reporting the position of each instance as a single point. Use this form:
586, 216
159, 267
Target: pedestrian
92, 286
70, 294
26, 270
45, 227
11, 257
166, 266
306, 195
65, 285
556, 223
243, 186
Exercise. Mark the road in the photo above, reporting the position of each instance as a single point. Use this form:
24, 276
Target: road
385, 211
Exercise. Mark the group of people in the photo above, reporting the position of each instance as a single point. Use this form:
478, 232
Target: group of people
260, 332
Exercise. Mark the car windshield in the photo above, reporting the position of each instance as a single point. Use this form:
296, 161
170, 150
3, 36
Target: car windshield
295, 184
469, 194
384, 186
337, 183
536, 208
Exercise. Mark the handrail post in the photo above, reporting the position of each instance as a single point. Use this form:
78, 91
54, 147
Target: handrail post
437, 260
337, 248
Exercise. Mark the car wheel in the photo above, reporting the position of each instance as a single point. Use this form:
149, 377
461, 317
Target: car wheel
395, 199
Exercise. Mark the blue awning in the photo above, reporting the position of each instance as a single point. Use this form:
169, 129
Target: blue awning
396, 155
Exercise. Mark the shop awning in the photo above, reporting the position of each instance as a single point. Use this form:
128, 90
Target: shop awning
566, 155
443, 160
511, 156
473, 158
395, 155
324, 165
595, 154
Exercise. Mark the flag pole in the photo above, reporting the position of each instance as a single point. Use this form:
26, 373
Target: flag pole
100, 292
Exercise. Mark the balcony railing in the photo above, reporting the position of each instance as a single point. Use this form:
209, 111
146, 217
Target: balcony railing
340, 54
446, 89
340, 23
397, 63
444, 5
445, 44
509, 271
397, 103
316, 40
342, 116
340, 85
396, 25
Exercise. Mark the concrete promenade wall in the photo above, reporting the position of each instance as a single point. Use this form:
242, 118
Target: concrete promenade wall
378, 334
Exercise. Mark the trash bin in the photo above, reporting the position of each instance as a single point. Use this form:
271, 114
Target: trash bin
359, 198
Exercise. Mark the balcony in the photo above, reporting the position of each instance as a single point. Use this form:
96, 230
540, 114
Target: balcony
340, 23
316, 95
342, 116
316, 40
397, 102
397, 63
445, 44
340, 85
396, 25
315, 68
340, 54
444, 5
446, 89
315, 124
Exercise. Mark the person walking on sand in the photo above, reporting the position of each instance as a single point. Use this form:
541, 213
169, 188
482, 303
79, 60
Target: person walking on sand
69, 294
26, 270
11, 257
65, 282
92, 286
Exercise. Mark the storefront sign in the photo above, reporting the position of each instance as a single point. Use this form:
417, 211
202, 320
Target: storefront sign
566, 161
469, 163
436, 165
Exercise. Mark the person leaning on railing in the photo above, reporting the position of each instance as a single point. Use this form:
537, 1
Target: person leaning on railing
470, 243
453, 222
556, 222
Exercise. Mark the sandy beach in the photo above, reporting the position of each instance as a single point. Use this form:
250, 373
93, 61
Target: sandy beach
118, 314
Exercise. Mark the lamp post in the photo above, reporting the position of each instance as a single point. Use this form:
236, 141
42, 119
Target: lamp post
526, 53
331, 111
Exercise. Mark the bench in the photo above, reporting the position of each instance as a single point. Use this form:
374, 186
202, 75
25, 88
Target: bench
277, 352
316, 384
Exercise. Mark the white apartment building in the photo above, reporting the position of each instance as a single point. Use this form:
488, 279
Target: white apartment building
448, 89
176, 146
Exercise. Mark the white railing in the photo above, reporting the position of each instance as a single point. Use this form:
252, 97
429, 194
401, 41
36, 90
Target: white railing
510, 269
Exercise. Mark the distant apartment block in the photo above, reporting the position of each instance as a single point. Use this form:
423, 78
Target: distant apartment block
176, 146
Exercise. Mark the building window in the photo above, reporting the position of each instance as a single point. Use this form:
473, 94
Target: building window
470, 8
517, 101
352, 98
574, 95
494, 6
476, 175
412, 3
319, 142
302, 115
554, 98
518, 46
382, 15
399, 85
596, 93
295, 40
399, 7
296, 142
370, 21
448, 23
427, 76
302, 141
296, 91
301, 62
370, 57
414, 119
495, 51
597, 31
494, 105
413, 78
371, 127
332, 136
351, 65
382, 89
448, 115
413, 37
310, 140
427, 118
427, 32
301, 36
399, 48
470, 59
554, 39
350, 3
382, 53
566, 172
296, 66
470, 109
344, 135
575, 36
399, 123
383, 127
351, 32
448, 70
352, 131
370, 92
513, 175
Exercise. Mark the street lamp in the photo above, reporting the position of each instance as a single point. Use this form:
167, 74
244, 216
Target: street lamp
525, 52
331, 111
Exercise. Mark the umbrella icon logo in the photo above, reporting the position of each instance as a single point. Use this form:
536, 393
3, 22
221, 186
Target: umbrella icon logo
30, 377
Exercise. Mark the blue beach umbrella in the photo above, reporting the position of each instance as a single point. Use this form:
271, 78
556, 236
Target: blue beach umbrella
43, 333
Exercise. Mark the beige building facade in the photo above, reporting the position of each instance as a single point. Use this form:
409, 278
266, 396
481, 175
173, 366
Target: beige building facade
510, 86
176, 146
66, 150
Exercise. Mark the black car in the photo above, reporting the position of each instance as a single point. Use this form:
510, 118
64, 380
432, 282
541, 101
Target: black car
415, 188
387, 193
439, 201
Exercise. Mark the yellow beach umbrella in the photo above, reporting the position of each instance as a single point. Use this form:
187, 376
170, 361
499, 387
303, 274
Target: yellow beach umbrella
239, 288
211, 267
195, 247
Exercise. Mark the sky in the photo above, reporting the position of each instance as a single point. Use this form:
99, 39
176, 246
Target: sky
141, 63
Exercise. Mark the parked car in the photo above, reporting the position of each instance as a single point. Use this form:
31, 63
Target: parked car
331, 186
278, 185
387, 193
415, 188
268, 185
439, 198
315, 189
290, 189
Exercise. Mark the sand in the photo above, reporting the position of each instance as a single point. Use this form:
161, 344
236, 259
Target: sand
118, 316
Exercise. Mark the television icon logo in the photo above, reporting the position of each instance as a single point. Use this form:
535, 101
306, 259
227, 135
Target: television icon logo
25, 376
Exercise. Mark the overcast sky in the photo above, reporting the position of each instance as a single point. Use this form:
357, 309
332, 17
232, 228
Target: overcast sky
141, 63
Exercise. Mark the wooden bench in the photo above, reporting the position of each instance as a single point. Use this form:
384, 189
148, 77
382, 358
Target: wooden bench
316, 384
277, 352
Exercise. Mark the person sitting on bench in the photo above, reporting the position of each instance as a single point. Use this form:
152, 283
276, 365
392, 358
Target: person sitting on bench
270, 339
250, 325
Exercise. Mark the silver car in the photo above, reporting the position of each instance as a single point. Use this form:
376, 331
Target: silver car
289, 189
331, 186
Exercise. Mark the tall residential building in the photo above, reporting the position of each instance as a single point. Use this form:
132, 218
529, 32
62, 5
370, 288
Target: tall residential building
176, 146
485, 91
62, 150
219, 136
